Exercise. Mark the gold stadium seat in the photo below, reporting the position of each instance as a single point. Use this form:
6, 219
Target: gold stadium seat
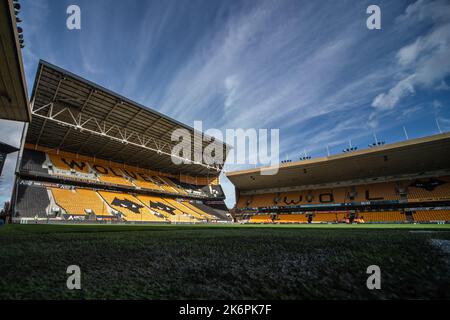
164, 185
110, 174
263, 200
131, 208
432, 215
382, 216
77, 201
171, 184
382, 191
441, 192
261, 218
244, 202
292, 218
325, 217
146, 183
66, 163
191, 209
170, 211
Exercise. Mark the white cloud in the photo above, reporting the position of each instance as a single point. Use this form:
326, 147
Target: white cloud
390, 99
426, 60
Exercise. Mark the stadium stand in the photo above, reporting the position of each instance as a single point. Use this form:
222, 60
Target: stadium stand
130, 207
79, 201
70, 166
377, 185
325, 217
432, 215
168, 210
32, 201
261, 218
429, 189
112, 175
104, 157
383, 216
352, 194
213, 212
34, 161
292, 218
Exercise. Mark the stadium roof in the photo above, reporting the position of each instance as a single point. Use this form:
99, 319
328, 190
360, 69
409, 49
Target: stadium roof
408, 157
73, 114
13, 90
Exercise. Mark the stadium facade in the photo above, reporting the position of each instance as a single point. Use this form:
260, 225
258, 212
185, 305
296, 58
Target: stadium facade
91, 155
405, 182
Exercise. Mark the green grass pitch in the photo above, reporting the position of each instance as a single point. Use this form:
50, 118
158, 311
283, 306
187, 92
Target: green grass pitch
223, 261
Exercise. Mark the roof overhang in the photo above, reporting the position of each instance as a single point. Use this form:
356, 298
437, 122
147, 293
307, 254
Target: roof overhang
73, 114
13, 90
412, 156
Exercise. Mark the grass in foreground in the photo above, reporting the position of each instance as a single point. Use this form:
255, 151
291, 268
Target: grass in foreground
223, 262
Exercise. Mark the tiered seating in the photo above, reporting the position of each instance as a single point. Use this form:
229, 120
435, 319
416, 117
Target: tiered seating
385, 191
292, 218
183, 208
164, 185
171, 212
197, 186
244, 202
131, 208
353, 193
261, 218
383, 216
263, 200
80, 201
112, 175
341, 216
82, 167
147, 183
194, 208
325, 217
172, 185
66, 163
438, 193
432, 215
32, 201
33, 161
213, 212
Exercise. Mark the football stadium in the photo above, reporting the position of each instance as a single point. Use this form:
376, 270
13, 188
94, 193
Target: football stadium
390, 183
96, 189
91, 155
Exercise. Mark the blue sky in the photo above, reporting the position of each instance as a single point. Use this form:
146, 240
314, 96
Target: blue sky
309, 68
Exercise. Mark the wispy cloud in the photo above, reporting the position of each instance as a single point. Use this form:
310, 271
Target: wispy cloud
309, 68
425, 61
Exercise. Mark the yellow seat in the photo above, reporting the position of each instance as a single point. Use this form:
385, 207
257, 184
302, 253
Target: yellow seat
131, 208
77, 201
292, 218
261, 218
383, 216
432, 215
66, 163
177, 214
